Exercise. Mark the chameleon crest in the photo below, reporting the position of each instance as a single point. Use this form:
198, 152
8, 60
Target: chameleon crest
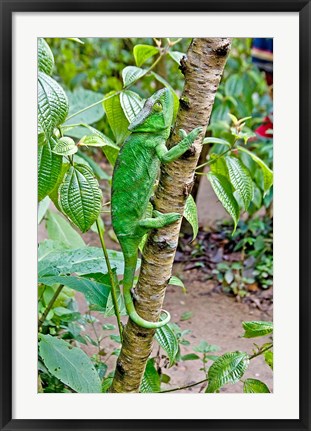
134, 175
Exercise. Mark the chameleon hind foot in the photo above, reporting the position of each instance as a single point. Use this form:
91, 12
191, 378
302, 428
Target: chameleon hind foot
160, 220
167, 218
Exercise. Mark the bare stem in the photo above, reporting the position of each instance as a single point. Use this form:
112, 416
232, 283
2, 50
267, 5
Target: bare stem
50, 305
179, 388
261, 351
112, 281
213, 160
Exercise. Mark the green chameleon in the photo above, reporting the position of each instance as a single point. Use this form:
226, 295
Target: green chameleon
134, 176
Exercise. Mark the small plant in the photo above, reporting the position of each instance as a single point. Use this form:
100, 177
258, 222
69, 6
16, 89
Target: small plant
225, 369
231, 278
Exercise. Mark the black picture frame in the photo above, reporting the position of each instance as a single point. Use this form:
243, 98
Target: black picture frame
7, 10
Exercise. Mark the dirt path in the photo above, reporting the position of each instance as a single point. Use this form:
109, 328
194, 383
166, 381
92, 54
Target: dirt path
217, 319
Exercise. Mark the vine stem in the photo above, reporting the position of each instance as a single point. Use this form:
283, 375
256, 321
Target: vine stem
164, 52
112, 281
50, 305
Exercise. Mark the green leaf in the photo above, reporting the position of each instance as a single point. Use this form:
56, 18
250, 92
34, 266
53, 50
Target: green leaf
254, 386
84, 260
52, 104
257, 329
98, 171
229, 277
97, 141
49, 168
176, 56
80, 99
116, 117
95, 293
212, 140
109, 327
175, 281
168, 341
267, 173
107, 382
191, 215
69, 364
80, 197
151, 380
60, 230
240, 179
223, 191
76, 39
269, 358
165, 378
45, 57
111, 150
244, 135
218, 166
205, 347
53, 194
186, 315
190, 357
111, 154
115, 338
131, 104
42, 208
233, 118
65, 147
234, 86
220, 112
143, 52
228, 368
131, 74
47, 247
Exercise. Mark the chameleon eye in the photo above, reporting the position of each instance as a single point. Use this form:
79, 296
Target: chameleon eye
157, 107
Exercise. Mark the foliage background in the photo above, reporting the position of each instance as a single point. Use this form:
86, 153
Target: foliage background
91, 70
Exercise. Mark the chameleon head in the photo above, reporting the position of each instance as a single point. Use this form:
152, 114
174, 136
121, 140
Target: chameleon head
156, 115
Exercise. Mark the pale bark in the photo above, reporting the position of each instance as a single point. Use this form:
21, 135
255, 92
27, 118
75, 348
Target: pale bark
203, 68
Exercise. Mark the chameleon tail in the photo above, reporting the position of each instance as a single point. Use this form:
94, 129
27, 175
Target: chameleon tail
129, 272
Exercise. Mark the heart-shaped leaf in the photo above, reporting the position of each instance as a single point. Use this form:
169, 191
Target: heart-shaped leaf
143, 52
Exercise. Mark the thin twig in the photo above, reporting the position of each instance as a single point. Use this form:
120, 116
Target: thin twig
50, 305
260, 352
179, 388
213, 160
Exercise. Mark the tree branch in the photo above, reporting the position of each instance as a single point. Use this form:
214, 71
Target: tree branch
203, 67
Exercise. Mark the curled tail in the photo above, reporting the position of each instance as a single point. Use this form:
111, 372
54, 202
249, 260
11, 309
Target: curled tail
130, 262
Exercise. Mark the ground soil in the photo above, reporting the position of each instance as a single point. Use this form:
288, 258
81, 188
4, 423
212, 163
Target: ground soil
216, 317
